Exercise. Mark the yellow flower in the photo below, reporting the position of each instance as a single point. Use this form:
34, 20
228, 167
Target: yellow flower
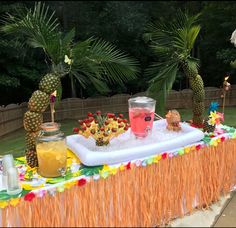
3, 204
14, 201
67, 60
214, 143
76, 174
213, 115
69, 184
211, 121
155, 159
21, 159
113, 170
30, 187
159, 157
105, 168
187, 149
71, 155
31, 169
122, 167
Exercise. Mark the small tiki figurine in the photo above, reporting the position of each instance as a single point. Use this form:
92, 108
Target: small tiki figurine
173, 120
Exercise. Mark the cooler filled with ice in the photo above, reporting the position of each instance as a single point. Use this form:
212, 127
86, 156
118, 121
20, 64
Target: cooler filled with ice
127, 146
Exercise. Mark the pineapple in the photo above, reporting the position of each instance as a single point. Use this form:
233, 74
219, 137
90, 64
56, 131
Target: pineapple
32, 121
197, 85
30, 139
31, 158
198, 108
49, 83
199, 96
34, 118
38, 102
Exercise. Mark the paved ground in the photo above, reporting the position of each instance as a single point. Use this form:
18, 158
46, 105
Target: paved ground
221, 214
227, 217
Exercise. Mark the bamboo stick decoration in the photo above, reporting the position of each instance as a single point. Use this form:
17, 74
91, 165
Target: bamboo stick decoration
158, 116
226, 86
52, 104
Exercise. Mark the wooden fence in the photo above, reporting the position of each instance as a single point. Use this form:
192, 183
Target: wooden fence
11, 116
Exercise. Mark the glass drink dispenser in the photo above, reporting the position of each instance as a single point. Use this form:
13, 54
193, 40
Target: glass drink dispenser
51, 151
141, 115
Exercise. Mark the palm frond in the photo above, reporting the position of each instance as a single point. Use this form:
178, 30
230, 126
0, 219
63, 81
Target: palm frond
160, 86
38, 25
117, 66
171, 42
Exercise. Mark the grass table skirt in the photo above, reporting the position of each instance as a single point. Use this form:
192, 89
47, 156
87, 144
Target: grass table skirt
149, 196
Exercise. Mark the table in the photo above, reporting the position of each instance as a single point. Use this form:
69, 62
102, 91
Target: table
145, 192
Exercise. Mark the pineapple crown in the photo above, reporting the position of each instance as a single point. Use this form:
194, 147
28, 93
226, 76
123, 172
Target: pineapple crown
213, 107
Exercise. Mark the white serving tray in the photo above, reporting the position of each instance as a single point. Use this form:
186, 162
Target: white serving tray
126, 147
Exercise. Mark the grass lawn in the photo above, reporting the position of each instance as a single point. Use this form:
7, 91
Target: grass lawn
14, 142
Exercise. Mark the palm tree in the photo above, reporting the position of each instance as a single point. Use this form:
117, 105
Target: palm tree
172, 42
93, 61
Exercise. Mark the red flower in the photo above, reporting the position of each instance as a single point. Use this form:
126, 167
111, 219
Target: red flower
126, 128
222, 139
81, 122
29, 196
81, 182
125, 121
110, 115
121, 115
98, 113
128, 166
84, 128
212, 136
86, 121
91, 119
90, 114
75, 130
198, 147
164, 156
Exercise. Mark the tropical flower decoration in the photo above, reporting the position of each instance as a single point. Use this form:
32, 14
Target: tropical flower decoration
213, 106
52, 104
215, 118
67, 60
102, 128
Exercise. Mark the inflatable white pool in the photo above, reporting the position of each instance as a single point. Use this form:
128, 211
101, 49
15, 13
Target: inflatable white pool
126, 147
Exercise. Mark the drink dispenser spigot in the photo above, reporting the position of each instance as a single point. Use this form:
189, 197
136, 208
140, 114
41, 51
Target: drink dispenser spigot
141, 115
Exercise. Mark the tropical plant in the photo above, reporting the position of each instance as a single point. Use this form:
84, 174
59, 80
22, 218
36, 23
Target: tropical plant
93, 61
172, 42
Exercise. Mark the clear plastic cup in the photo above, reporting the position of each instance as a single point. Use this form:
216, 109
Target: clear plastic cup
141, 115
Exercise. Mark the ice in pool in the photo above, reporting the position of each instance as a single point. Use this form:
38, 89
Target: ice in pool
126, 147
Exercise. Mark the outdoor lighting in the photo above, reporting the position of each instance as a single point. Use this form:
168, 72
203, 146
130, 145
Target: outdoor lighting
226, 87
